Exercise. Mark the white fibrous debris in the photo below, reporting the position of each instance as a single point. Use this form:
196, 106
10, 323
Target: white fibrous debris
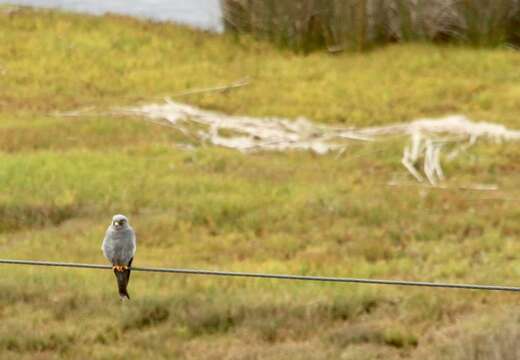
244, 133
250, 133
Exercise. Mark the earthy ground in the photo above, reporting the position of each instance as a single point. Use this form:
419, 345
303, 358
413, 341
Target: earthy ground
63, 178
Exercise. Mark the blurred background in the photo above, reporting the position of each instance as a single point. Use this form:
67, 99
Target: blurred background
361, 138
205, 14
308, 24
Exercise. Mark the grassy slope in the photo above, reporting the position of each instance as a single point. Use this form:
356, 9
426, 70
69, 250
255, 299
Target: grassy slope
62, 179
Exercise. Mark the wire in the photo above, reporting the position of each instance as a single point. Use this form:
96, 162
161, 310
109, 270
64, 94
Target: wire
271, 276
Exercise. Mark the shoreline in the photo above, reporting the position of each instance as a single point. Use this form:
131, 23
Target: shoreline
211, 22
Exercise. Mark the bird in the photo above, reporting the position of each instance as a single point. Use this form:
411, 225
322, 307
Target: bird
119, 247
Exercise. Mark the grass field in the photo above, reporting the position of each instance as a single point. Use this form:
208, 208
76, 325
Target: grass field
61, 180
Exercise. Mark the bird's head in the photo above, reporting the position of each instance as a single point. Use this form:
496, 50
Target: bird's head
119, 222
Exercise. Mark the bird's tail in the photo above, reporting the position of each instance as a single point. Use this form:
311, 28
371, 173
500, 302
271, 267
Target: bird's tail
123, 277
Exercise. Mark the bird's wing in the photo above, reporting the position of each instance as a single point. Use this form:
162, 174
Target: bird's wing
134, 244
107, 247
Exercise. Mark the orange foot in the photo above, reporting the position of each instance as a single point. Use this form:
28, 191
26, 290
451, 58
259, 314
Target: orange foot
119, 268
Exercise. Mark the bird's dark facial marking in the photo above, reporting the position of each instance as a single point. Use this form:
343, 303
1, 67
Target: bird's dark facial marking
119, 224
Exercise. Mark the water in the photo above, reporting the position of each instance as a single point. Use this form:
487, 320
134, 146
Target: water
203, 14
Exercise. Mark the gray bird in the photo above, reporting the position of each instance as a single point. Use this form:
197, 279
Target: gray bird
119, 248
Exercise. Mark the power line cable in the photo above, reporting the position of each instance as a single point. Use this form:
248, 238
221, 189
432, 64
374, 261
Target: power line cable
270, 276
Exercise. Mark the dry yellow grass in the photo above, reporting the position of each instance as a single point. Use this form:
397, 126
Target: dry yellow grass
63, 178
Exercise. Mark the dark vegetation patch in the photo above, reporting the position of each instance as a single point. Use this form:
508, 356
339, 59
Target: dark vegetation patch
29, 341
16, 217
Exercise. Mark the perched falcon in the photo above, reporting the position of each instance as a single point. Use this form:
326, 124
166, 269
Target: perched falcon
119, 248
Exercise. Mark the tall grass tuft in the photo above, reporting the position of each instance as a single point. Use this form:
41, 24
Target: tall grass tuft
306, 25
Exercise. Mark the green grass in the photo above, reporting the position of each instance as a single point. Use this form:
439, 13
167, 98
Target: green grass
63, 178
